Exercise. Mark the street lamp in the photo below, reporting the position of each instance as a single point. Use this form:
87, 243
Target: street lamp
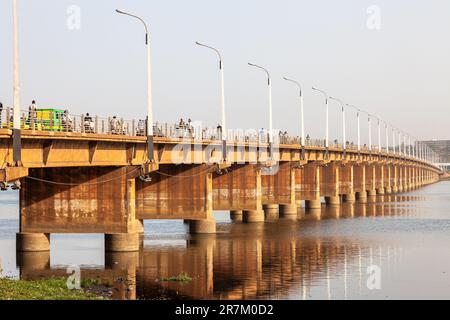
270, 104
370, 130
387, 137
344, 138
150, 134
394, 147
17, 148
302, 117
327, 132
222, 85
379, 135
409, 146
358, 111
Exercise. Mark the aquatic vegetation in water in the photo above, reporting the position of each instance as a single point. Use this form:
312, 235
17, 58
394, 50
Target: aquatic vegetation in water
46, 289
182, 277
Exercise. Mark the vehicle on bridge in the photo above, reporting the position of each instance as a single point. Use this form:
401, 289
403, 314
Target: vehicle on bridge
46, 119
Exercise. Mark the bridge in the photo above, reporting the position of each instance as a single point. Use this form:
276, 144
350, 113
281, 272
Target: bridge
75, 179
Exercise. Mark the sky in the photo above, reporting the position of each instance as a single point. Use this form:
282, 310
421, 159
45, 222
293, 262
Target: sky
390, 58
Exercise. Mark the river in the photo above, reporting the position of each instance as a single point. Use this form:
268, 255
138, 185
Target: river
394, 248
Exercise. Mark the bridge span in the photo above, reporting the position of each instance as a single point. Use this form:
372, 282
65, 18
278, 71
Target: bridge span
78, 182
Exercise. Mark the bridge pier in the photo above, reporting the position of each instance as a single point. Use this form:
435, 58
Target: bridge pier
79, 200
288, 211
205, 226
347, 181
311, 179
361, 196
333, 201
349, 197
313, 204
122, 242
32, 242
253, 216
236, 216
271, 212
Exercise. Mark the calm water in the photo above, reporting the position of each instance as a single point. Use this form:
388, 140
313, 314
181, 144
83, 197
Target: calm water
324, 256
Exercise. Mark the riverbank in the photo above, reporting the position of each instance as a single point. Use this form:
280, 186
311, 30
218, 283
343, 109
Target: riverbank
48, 289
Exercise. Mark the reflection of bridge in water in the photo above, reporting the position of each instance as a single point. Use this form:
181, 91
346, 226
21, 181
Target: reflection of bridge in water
257, 261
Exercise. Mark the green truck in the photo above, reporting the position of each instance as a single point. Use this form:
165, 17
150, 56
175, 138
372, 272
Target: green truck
48, 119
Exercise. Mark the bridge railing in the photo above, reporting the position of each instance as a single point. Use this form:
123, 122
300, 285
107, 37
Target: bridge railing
61, 121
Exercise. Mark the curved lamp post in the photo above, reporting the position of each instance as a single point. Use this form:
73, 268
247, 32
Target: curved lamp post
222, 101
358, 112
150, 133
379, 135
302, 117
269, 82
327, 132
387, 136
344, 138
17, 152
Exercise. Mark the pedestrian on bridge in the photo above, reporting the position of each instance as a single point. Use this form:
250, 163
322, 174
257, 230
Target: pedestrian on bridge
67, 121
114, 125
32, 114
88, 123
1, 112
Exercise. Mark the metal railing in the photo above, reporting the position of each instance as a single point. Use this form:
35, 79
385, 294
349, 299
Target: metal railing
51, 120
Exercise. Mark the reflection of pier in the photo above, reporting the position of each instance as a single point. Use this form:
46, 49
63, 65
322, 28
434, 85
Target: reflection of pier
256, 261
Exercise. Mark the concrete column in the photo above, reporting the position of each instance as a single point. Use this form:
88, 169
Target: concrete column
405, 179
371, 189
394, 181
350, 197
381, 190
315, 203
288, 211
32, 242
253, 216
361, 196
236, 215
271, 212
334, 200
400, 179
388, 180
131, 240
122, 242
202, 226
208, 225
32, 261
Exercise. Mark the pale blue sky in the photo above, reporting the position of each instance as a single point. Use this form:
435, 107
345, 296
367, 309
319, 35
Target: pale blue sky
401, 72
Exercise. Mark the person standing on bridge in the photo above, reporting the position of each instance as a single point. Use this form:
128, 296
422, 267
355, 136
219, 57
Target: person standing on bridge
1, 112
114, 125
219, 132
67, 121
32, 114
88, 124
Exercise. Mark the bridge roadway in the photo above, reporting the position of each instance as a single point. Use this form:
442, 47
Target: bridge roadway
98, 183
